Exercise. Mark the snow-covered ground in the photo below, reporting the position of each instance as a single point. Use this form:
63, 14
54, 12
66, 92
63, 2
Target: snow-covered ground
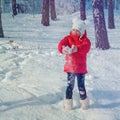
32, 81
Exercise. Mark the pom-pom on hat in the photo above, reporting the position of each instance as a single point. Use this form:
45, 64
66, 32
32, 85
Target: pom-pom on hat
78, 24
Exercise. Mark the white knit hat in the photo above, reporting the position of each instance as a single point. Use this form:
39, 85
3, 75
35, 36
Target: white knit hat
78, 24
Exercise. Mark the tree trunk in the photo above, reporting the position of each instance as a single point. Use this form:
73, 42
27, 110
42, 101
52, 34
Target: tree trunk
52, 9
111, 24
1, 29
117, 4
100, 26
113, 3
45, 13
106, 4
14, 7
82, 9
33, 4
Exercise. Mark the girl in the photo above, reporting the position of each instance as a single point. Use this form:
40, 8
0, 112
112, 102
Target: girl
75, 46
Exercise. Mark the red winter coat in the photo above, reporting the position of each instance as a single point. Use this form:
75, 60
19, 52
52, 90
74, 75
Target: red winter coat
76, 62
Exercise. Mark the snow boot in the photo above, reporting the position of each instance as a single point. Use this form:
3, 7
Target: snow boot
68, 104
84, 103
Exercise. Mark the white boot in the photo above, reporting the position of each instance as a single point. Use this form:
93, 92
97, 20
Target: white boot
68, 104
84, 103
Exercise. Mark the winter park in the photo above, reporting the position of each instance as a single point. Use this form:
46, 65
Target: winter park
32, 78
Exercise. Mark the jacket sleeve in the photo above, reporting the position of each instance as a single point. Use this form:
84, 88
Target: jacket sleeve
85, 46
63, 42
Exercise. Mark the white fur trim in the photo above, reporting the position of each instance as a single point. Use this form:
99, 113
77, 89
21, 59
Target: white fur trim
68, 104
84, 103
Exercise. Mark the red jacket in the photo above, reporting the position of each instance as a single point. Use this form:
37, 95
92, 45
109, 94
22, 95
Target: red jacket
76, 62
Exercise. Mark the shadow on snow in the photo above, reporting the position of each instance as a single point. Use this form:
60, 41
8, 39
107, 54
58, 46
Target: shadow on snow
105, 99
47, 99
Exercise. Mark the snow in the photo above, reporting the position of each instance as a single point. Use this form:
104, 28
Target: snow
32, 81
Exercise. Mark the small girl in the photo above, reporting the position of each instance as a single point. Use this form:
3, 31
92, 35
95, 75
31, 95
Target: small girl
75, 46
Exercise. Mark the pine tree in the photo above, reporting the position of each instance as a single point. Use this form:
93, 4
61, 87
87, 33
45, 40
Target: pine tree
1, 29
82, 9
52, 10
111, 24
106, 4
100, 26
14, 7
45, 13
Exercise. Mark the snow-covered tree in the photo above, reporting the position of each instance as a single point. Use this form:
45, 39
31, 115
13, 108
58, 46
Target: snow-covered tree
100, 26
106, 4
111, 24
117, 4
1, 29
82, 9
14, 7
52, 9
67, 6
45, 13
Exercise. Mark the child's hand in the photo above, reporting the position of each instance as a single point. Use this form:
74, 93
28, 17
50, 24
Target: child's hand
68, 50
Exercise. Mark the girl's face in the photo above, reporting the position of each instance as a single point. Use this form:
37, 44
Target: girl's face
75, 32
